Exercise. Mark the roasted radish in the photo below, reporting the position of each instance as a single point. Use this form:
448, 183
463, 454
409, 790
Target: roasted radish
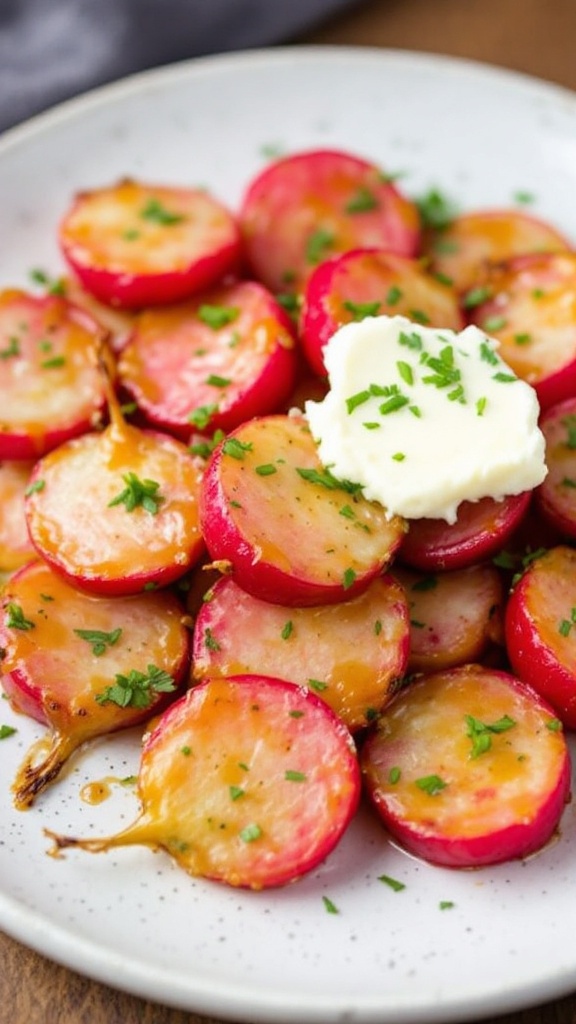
50, 385
455, 617
351, 654
247, 780
463, 250
369, 282
210, 363
468, 767
481, 529
285, 528
134, 244
84, 665
555, 499
309, 206
541, 629
529, 305
117, 512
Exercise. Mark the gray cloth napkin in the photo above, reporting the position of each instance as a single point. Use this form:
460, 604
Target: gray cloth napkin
53, 49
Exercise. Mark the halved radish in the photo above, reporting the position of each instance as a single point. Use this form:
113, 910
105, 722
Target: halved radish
555, 499
529, 305
468, 767
210, 363
351, 654
16, 547
371, 282
311, 205
136, 244
481, 529
50, 385
285, 528
246, 780
455, 617
117, 512
84, 665
462, 251
541, 629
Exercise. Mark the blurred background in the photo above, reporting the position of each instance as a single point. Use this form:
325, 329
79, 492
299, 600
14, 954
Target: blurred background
53, 49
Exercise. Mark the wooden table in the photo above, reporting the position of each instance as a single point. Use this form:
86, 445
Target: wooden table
535, 36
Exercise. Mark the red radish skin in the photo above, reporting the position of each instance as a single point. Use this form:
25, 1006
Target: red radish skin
80, 525
51, 385
284, 538
463, 251
555, 499
16, 547
530, 308
540, 630
246, 780
455, 617
480, 531
60, 678
210, 363
351, 654
371, 282
134, 244
311, 205
468, 767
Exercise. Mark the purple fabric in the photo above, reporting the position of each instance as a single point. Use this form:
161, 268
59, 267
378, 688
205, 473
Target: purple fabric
53, 49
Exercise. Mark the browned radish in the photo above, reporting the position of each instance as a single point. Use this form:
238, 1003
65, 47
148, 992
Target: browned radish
541, 629
529, 305
481, 529
351, 654
134, 244
50, 384
468, 767
117, 512
311, 205
246, 780
212, 362
455, 617
555, 499
463, 250
16, 547
84, 665
285, 528
371, 282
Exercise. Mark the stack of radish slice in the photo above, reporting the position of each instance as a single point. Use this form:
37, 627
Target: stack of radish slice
175, 553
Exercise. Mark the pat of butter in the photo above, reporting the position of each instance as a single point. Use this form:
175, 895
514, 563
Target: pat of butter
425, 418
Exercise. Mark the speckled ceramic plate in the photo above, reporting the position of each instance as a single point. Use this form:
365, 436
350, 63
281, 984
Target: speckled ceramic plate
131, 918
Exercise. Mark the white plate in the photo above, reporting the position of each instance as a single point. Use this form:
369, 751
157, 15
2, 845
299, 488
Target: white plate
131, 918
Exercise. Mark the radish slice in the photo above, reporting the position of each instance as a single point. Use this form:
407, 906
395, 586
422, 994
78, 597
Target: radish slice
529, 305
481, 529
541, 629
134, 244
211, 363
463, 251
555, 499
50, 386
248, 780
455, 617
16, 547
282, 525
307, 207
351, 654
84, 665
468, 767
371, 282
118, 511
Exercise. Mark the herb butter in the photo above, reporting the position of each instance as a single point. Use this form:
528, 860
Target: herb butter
425, 418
